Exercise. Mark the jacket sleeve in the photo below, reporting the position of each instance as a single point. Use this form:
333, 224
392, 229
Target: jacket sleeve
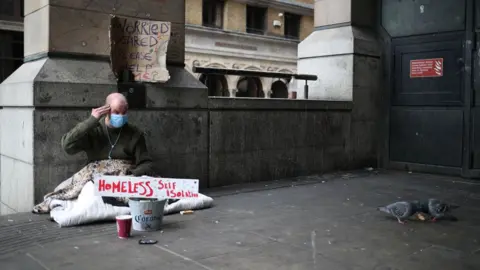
77, 138
143, 161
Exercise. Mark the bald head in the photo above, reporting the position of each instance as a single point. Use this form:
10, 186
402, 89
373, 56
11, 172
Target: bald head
118, 103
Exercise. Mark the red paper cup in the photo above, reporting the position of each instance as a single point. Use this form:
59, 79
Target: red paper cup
124, 226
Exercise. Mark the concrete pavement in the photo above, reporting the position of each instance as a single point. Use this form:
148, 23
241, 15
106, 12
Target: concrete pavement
319, 222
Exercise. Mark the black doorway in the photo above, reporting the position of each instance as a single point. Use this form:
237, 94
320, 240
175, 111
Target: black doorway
430, 120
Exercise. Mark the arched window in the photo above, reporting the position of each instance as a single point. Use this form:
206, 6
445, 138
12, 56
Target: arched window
216, 84
250, 87
279, 90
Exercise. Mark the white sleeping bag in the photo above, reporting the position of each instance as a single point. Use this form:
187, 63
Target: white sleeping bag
88, 208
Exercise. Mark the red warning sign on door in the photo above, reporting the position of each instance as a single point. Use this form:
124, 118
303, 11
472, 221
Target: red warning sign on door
423, 68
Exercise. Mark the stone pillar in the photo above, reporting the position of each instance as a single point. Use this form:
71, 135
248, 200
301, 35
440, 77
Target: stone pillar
344, 53
65, 74
232, 82
232, 93
267, 87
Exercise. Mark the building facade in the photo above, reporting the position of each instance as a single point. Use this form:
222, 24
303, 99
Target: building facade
246, 35
231, 34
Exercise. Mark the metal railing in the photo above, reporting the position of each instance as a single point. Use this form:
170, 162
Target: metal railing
249, 73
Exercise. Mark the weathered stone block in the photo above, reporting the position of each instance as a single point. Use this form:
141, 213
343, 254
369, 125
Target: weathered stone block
16, 184
17, 89
76, 83
329, 12
36, 32
52, 164
33, 5
17, 138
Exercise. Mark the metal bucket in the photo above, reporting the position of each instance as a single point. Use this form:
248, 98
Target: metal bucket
147, 215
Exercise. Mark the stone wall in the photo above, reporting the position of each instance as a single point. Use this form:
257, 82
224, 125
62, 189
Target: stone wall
255, 140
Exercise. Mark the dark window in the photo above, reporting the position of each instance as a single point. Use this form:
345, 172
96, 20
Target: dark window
250, 87
212, 13
292, 26
256, 20
11, 52
216, 84
11, 10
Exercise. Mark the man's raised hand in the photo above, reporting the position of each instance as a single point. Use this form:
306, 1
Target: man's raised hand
101, 111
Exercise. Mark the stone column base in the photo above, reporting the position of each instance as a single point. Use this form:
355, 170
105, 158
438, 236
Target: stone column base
348, 65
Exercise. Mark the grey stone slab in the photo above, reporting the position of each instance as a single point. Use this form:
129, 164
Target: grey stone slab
210, 238
276, 256
107, 252
21, 262
347, 240
66, 94
434, 258
76, 71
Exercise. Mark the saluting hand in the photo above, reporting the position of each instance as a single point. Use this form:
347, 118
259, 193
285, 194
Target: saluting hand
100, 111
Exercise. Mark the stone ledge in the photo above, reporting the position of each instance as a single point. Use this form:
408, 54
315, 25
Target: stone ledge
223, 103
75, 83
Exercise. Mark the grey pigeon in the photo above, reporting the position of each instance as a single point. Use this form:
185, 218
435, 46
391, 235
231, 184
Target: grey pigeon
400, 210
438, 209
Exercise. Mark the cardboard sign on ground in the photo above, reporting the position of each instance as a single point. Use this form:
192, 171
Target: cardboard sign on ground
145, 187
139, 47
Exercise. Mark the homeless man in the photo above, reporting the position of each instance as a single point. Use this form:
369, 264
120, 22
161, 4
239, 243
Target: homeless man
113, 147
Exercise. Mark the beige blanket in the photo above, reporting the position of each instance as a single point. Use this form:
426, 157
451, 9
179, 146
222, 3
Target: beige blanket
71, 188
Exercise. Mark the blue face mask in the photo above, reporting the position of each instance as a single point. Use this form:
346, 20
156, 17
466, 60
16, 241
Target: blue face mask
118, 120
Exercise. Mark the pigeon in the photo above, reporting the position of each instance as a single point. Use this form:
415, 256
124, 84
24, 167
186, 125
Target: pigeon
400, 210
438, 209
